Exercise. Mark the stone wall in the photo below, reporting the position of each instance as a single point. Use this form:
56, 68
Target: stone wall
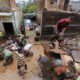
50, 18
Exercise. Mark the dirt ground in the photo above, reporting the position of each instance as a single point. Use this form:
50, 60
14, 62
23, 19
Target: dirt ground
33, 71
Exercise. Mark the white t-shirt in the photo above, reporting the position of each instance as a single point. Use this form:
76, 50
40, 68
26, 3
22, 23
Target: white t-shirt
28, 46
38, 29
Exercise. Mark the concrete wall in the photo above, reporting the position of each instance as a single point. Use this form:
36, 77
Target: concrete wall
5, 19
60, 4
4, 3
17, 19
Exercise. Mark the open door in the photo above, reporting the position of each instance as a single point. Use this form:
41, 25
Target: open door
8, 27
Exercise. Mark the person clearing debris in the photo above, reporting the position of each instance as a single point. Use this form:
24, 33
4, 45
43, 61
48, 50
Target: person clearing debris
28, 50
60, 65
62, 25
21, 64
8, 57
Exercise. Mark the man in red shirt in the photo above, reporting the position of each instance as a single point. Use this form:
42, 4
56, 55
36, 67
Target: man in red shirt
62, 25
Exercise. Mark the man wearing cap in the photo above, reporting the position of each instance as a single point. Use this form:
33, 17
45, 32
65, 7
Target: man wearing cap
20, 59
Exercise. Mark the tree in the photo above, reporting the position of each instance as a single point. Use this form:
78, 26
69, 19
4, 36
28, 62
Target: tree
30, 9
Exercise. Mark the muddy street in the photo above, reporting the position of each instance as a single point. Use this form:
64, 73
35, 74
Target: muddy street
33, 70
39, 66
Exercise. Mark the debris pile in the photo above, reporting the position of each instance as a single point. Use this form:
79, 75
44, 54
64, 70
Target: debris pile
72, 43
72, 47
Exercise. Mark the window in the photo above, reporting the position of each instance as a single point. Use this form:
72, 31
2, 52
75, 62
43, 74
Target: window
53, 2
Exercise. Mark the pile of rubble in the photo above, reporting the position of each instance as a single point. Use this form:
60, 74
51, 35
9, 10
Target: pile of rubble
72, 43
72, 47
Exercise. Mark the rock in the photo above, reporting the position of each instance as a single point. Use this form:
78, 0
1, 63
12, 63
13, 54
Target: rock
44, 59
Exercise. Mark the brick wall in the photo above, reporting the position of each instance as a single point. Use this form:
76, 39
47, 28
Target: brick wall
41, 4
49, 6
12, 3
50, 18
7, 4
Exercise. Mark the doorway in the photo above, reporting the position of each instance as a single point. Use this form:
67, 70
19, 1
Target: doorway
8, 27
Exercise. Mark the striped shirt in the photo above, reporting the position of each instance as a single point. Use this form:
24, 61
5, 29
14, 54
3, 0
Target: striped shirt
20, 59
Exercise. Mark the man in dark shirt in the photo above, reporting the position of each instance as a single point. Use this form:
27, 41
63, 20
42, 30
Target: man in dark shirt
18, 41
62, 25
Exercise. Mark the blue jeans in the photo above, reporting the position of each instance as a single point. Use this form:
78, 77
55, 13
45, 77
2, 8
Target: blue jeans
58, 31
55, 29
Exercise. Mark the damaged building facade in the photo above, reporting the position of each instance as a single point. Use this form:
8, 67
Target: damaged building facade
10, 17
52, 5
51, 11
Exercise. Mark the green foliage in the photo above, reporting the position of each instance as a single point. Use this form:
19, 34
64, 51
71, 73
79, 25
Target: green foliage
30, 9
